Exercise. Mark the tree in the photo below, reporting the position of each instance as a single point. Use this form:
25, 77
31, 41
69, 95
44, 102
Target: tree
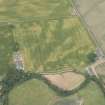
16, 46
91, 57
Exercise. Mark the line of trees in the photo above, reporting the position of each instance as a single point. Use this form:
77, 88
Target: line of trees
15, 78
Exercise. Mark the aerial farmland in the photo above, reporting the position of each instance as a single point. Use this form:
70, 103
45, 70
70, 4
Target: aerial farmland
46, 52
47, 45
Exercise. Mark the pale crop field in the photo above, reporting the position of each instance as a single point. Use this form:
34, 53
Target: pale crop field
93, 12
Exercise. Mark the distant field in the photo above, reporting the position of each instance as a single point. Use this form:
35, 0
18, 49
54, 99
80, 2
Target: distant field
47, 45
92, 95
93, 12
6, 48
27, 9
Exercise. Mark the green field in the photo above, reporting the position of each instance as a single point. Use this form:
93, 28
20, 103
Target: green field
27, 9
6, 48
92, 95
47, 45
35, 92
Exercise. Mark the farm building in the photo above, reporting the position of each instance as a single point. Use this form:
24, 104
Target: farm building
18, 60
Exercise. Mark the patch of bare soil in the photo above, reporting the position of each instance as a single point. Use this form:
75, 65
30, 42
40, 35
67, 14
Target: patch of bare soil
65, 81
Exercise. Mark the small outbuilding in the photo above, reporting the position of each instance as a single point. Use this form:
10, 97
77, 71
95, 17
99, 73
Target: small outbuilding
18, 60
